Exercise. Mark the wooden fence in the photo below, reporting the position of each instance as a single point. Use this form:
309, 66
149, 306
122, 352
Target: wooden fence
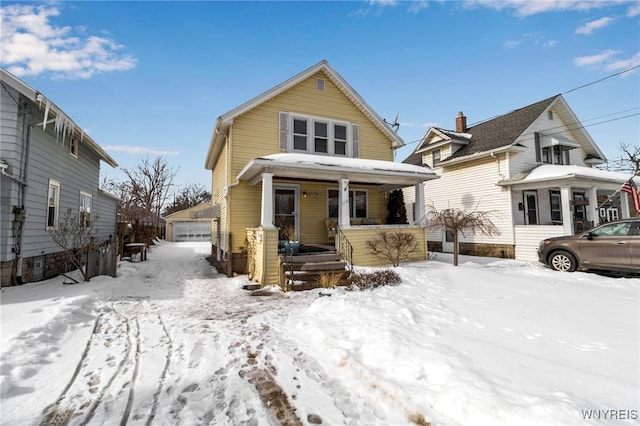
102, 259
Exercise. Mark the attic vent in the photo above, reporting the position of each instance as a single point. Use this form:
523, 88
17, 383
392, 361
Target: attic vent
320, 84
550, 115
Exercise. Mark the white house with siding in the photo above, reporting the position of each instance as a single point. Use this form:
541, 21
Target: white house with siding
48, 166
532, 168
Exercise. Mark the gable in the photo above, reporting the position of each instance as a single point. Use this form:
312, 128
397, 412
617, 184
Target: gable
340, 99
515, 130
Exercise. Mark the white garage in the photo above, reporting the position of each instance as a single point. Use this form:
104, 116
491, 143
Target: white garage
191, 231
192, 224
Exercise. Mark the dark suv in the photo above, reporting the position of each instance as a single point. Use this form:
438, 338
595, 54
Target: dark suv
614, 246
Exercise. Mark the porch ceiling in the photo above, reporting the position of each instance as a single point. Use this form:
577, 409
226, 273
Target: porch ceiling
326, 168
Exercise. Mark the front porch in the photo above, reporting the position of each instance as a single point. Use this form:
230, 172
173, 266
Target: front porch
554, 201
269, 264
319, 200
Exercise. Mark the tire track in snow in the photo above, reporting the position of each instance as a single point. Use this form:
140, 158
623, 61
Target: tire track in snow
163, 375
79, 400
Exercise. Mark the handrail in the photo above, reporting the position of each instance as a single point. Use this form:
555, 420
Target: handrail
344, 248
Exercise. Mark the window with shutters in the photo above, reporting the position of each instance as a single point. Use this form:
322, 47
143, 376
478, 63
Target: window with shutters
316, 135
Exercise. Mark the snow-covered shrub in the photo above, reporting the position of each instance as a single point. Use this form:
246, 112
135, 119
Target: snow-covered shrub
371, 280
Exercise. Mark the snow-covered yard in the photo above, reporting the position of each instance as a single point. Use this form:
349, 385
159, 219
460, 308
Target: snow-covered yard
171, 342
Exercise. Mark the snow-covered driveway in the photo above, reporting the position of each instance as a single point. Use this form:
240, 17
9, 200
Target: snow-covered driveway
171, 342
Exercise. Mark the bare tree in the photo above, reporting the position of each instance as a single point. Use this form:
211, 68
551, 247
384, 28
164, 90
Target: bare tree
149, 185
460, 221
188, 196
73, 236
629, 160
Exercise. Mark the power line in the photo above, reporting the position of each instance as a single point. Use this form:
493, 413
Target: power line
569, 91
602, 79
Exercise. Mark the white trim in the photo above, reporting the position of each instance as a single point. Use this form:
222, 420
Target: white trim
311, 121
56, 205
296, 204
82, 209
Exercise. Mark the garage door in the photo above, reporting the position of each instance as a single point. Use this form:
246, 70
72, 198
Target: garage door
191, 231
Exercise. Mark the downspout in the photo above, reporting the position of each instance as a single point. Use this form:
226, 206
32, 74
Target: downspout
20, 215
493, 155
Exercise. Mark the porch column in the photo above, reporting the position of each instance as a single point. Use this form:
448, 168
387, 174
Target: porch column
624, 205
266, 220
343, 204
567, 213
593, 214
419, 214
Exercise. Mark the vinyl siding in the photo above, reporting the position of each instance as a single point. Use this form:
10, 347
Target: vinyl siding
359, 236
473, 186
526, 160
219, 181
246, 203
49, 158
10, 150
256, 133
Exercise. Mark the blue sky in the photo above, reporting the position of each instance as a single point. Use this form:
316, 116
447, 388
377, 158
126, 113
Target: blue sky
150, 78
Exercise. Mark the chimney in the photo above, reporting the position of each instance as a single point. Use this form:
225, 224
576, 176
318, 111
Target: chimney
461, 123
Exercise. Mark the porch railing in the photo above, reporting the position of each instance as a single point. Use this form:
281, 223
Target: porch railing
344, 248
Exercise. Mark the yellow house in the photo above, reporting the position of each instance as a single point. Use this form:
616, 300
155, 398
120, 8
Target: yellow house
308, 160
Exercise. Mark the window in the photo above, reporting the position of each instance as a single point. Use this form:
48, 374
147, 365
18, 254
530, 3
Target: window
546, 155
556, 212
317, 136
53, 204
321, 137
73, 147
435, 157
339, 139
557, 154
299, 134
357, 203
85, 210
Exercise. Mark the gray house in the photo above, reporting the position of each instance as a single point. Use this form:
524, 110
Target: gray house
48, 166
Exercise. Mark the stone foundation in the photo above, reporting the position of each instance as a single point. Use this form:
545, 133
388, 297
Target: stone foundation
54, 265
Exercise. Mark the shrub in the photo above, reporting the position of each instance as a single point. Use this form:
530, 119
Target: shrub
393, 246
330, 279
371, 280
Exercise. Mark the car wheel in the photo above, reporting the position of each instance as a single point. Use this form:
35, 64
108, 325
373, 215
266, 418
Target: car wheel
563, 261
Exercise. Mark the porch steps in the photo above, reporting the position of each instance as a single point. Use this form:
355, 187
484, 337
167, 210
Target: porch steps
305, 270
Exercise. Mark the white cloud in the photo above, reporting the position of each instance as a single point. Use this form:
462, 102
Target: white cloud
138, 150
623, 64
417, 6
597, 59
527, 7
590, 27
634, 10
31, 44
530, 39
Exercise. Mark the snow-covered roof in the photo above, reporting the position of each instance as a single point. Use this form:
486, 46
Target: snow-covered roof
549, 172
334, 168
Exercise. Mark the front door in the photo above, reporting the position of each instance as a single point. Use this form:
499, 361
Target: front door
530, 207
286, 212
448, 241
